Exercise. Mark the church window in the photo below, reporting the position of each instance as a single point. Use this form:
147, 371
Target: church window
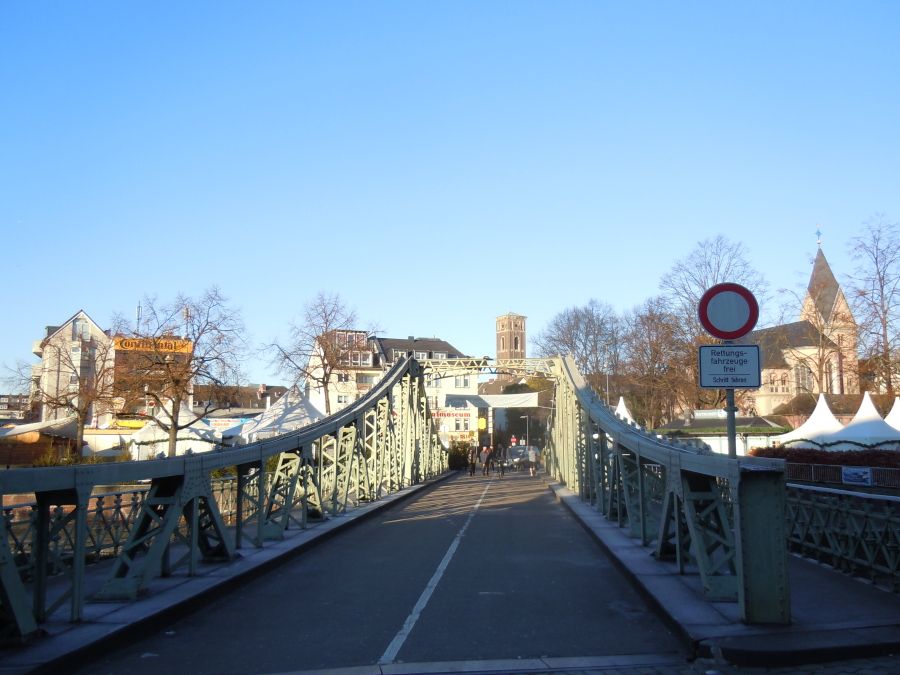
803, 379
516, 343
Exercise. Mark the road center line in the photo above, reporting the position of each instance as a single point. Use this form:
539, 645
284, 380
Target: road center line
393, 649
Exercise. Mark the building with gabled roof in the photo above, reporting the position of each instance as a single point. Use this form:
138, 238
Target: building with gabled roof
816, 354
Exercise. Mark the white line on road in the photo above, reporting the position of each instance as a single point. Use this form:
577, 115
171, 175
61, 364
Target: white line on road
393, 649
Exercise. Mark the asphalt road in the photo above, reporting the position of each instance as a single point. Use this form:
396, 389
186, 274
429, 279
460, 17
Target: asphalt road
475, 568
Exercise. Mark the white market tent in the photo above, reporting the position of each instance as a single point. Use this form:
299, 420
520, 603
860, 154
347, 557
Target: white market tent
623, 412
811, 433
893, 417
64, 428
151, 439
866, 428
291, 412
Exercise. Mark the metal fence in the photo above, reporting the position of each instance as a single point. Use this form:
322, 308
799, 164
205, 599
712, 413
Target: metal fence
855, 532
883, 477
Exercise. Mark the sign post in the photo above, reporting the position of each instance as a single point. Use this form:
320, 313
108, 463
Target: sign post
729, 311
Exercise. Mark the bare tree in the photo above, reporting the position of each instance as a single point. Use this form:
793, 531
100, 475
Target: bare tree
75, 377
176, 346
711, 262
653, 370
875, 297
320, 345
592, 334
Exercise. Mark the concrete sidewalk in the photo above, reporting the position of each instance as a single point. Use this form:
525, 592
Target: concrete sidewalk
834, 616
63, 644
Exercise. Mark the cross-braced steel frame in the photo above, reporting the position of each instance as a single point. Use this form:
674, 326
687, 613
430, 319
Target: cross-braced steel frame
721, 517
382, 443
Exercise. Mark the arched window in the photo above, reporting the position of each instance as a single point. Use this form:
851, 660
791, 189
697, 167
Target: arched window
803, 379
516, 343
502, 342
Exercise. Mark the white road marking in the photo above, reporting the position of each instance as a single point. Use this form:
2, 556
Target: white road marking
394, 648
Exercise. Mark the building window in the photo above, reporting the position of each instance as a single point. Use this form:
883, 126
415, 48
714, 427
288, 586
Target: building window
461, 381
457, 424
421, 356
502, 342
399, 354
365, 379
516, 343
343, 399
343, 377
432, 402
803, 379
465, 424
440, 355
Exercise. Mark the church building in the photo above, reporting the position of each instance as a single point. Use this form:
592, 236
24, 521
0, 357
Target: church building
816, 354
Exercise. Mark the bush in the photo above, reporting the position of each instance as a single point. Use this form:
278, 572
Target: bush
872, 458
459, 455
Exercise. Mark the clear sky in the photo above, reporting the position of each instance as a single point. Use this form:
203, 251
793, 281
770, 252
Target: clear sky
436, 164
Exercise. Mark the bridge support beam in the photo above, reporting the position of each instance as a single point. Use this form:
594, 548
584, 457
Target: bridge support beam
764, 594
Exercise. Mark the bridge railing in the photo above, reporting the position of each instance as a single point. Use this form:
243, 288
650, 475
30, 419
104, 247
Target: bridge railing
384, 442
719, 517
854, 532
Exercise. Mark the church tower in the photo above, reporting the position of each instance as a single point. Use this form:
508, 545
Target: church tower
827, 309
510, 337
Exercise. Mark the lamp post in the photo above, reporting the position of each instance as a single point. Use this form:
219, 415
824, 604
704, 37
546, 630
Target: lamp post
527, 438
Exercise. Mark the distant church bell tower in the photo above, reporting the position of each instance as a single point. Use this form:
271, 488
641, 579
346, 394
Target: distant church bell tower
510, 339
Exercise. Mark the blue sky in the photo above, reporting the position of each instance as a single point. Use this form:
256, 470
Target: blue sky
436, 164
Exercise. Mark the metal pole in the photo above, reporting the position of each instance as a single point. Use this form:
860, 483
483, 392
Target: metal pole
730, 425
730, 408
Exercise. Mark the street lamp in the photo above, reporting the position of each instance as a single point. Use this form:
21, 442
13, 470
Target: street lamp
527, 438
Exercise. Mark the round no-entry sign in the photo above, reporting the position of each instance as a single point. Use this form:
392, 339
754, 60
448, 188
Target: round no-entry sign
728, 311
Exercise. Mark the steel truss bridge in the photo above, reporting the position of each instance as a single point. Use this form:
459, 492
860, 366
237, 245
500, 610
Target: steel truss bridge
730, 521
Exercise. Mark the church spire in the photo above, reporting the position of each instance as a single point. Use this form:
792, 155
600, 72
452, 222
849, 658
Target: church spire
823, 287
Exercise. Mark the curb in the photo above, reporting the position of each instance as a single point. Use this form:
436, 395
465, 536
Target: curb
725, 636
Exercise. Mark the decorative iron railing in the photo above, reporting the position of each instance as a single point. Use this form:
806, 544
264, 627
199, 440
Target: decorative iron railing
384, 442
855, 532
721, 518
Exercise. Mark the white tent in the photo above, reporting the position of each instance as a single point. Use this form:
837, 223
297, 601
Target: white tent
866, 428
622, 410
64, 428
893, 417
151, 439
811, 433
291, 412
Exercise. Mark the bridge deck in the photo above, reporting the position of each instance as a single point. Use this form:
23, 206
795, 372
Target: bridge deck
513, 580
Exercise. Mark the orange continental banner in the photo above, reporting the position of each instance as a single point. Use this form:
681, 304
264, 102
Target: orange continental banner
129, 344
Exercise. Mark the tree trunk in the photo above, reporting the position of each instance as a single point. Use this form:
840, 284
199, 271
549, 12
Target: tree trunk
80, 419
173, 427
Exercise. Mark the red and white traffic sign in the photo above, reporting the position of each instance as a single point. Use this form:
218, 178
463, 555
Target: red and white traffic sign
728, 311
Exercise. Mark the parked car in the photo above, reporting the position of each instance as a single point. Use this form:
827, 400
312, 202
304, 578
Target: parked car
518, 455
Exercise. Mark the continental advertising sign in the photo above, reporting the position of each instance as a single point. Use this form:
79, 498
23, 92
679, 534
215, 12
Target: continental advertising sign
128, 344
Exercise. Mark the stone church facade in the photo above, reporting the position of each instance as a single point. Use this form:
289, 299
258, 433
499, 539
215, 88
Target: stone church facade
816, 354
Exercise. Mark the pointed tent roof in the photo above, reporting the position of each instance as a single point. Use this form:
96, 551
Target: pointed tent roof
866, 428
819, 425
290, 412
823, 287
893, 417
622, 410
